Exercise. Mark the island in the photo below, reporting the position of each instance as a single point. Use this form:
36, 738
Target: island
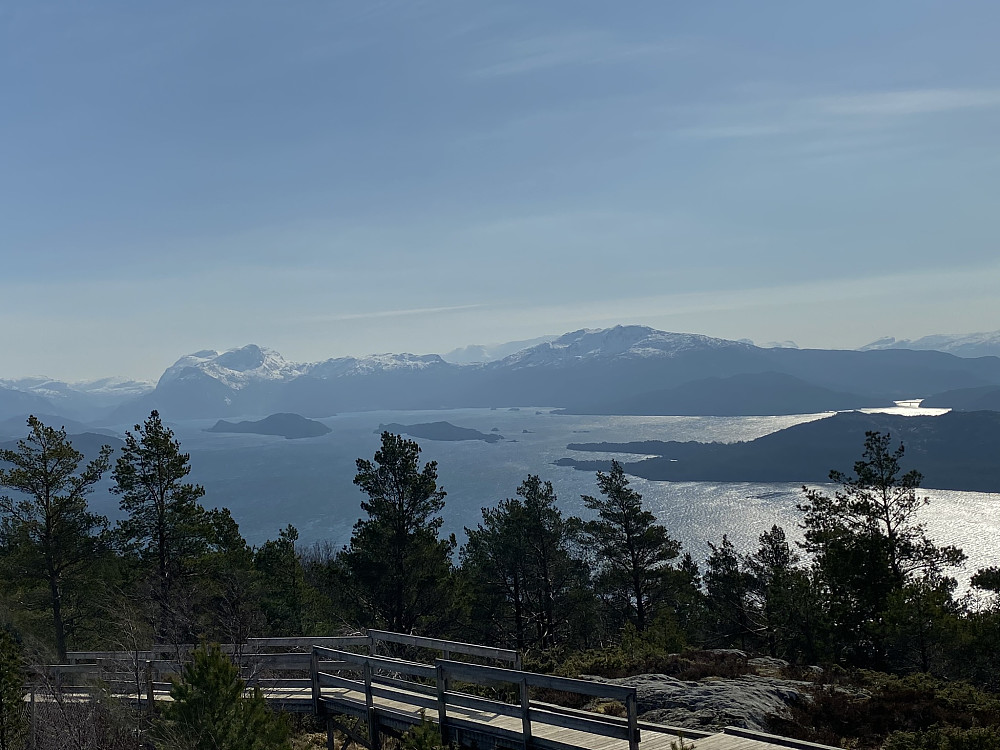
954, 451
439, 431
288, 426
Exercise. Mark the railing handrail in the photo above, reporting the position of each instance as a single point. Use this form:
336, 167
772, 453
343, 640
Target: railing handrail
447, 646
414, 668
463, 670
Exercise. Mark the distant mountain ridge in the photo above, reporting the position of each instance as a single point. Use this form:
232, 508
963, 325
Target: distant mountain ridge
960, 344
627, 369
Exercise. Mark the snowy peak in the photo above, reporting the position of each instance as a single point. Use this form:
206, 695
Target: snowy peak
236, 368
632, 342
960, 344
349, 366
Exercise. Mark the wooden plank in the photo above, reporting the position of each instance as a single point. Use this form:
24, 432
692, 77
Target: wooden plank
345, 705
440, 644
331, 680
310, 641
545, 743
579, 723
482, 704
477, 672
773, 739
280, 683
415, 687
423, 701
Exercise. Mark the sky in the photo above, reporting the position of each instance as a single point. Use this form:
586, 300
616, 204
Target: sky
332, 178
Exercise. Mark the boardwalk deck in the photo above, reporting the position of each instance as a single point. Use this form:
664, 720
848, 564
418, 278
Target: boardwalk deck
391, 695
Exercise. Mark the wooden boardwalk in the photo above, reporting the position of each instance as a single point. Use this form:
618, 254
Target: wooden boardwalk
361, 691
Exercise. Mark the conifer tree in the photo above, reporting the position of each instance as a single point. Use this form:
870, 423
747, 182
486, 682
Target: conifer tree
633, 550
166, 527
396, 562
211, 710
48, 533
13, 711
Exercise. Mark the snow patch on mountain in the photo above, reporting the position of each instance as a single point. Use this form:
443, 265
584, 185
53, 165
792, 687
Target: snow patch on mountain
350, 366
235, 368
960, 344
633, 342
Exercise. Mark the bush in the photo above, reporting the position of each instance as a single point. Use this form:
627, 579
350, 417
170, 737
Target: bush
210, 710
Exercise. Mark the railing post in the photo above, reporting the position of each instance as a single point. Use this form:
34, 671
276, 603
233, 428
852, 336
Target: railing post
447, 682
633, 721
441, 682
314, 676
150, 696
526, 714
370, 703
34, 721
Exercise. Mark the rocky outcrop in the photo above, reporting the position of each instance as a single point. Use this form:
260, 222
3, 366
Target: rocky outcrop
714, 703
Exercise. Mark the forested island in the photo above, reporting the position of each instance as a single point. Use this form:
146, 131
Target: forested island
440, 431
957, 451
289, 426
861, 629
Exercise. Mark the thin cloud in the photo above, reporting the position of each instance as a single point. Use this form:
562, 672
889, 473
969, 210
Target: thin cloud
853, 112
912, 102
389, 313
544, 51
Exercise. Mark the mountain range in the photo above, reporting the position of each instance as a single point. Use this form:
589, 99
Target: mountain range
625, 369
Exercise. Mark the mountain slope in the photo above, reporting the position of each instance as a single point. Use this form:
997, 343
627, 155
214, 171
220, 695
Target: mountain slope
621, 365
960, 344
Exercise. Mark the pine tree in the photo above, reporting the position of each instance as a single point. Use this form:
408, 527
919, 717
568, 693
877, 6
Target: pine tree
47, 530
867, 545
211, 711
395, 561
167, 527
13, 713
633, 550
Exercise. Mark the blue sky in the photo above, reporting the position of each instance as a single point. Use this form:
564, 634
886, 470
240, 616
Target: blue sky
331, 178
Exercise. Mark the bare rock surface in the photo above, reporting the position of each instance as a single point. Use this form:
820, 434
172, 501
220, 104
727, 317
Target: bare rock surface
713, 703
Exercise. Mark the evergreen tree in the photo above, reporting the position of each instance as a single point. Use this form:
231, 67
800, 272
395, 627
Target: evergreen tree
867, 545
282, 583
397, 564
48, 534
211, 711
525, 578
167, 527
13, 711
495, 566
633, 550
727, 589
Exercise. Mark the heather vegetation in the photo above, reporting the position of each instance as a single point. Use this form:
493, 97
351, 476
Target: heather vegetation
865, 613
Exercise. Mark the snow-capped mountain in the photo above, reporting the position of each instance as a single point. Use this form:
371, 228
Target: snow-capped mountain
84, 399
235, 368
341, 367
578, 370
622, 342
474, 354
960, 344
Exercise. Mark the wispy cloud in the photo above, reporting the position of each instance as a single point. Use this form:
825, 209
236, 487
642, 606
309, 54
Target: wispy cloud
911, 102
846, 112
530, 54
373, 314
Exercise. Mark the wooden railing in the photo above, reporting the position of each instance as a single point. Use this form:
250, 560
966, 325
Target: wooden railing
430, 689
